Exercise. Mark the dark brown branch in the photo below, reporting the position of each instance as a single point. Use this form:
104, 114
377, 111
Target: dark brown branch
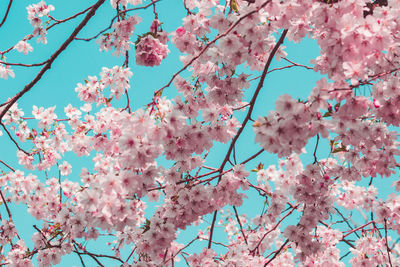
358, 228
297, 64
8, 166
80, 257
187, 9
69, 18
209, 173
94, 255
180, 250
24, 65
12, 139
130, 255
5, 204
346, 221
240, 224
387, 245
212, 229
274, 228
90, 255
365, 82
7, 11
277, 252
348, 243
315, 150
52, 58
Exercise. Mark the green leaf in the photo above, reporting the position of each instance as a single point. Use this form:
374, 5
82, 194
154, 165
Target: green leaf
234, 6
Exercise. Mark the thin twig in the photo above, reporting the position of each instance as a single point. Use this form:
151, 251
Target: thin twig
5, 204
24, 65
113, 19
12, 139
80, 257
274, 228
387, 244
240, 224
277, 252
7, 11
156, 93
315, 150
356, 229
212, 229
8, 166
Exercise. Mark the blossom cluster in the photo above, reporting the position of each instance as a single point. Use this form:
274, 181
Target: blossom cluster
119, 39
35, 14
150, 51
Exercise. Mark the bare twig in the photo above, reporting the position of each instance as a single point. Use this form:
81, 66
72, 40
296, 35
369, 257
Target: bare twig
277, 253
6, 14
240, 224
12, 139
274, 228
8, 166
24, 65
6, 205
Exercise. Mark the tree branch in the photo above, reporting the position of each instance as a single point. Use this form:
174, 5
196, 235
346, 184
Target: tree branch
5, 15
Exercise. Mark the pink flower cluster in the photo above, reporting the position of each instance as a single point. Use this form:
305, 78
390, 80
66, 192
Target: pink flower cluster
23, 46
6, 71
150, 51
313, 189
116, 78
288, 129
35, 14
119, 39
183, 206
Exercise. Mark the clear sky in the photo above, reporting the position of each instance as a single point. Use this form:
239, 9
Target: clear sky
82, 59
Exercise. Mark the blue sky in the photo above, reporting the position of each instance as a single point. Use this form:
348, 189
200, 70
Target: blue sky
83, 59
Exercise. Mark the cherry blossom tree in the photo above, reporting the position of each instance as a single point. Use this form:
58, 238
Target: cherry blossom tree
328, 209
